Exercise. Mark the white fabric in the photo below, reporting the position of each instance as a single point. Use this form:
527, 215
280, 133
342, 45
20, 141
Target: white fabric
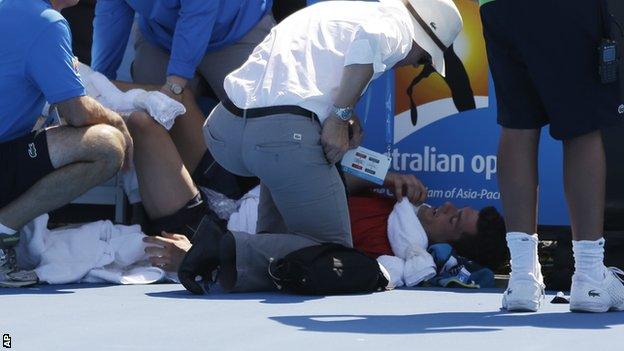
220, 204
130, 184
419, 267
158, 105
245, 219
589, 257
94, 252
405, 232
395, 267
301, 61
523, 252
409, 242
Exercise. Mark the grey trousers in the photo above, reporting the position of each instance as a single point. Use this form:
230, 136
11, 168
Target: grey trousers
302, 199
150, 61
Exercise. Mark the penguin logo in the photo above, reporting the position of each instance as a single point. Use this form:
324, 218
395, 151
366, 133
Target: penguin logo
433, 25
32, 150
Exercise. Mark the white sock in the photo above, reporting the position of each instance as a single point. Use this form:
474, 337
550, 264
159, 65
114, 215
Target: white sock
4, 230
589, 257
523, 250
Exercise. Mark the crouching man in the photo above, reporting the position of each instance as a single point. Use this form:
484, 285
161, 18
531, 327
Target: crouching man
45, 169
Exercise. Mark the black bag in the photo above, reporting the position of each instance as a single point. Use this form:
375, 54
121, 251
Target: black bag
327, 269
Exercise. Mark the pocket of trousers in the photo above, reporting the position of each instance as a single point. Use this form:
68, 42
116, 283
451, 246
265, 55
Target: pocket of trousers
211, 139
278, 146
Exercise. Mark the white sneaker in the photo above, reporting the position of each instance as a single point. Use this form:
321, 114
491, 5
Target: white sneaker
524, 293
7, 262
589, 295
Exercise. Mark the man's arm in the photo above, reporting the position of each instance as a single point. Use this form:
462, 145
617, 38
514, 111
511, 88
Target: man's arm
85, 111
125, 86
190, 39
335, 134
401, 185
111, 30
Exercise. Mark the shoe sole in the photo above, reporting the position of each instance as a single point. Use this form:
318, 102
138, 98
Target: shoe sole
593, 308
522, 306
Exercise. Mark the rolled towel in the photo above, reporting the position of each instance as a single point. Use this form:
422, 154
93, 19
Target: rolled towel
161, 107
395, 267
158, 105
418, 268
405, 232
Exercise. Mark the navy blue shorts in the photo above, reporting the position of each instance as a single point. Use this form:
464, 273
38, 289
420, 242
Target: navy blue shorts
543, 56
23, 162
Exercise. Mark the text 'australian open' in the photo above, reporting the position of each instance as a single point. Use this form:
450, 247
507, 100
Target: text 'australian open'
430, 160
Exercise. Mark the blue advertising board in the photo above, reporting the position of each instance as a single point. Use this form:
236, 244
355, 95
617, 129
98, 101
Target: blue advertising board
452, 146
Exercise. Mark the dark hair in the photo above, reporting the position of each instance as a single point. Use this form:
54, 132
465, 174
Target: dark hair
489, 246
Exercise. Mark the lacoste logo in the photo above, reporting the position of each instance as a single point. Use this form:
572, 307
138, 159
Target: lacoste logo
593, 293
433, 25
32, 150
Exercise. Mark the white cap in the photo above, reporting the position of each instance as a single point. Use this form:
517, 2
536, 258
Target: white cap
436, 25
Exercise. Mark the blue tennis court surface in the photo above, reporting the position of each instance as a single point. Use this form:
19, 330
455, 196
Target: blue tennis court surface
165, 317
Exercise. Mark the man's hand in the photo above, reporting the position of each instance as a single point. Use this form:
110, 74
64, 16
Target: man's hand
177, 80
406, 185
168, 250
335, 138
358, 132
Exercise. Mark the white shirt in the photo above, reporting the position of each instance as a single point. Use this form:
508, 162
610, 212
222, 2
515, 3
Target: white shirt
301, 61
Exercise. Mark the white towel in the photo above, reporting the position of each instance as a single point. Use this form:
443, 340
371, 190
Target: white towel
405, 232
245, 219
418, 268
98, 251
158, 105
409, 242
395, 267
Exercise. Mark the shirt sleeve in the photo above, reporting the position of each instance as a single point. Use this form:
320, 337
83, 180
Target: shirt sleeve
50, 66
192, 36
111, 29
380, 42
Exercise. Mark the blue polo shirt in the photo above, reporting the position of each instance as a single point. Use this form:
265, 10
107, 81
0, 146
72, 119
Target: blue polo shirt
35, 64
186, 28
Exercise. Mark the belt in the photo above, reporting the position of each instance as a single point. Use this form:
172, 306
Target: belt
268, 111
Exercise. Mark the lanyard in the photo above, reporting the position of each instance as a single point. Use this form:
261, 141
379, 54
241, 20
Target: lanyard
389, 117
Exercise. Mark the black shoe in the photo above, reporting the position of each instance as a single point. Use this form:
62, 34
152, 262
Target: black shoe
185, 221
203, 257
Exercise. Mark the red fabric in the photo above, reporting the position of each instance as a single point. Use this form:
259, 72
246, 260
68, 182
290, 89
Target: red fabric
369, 224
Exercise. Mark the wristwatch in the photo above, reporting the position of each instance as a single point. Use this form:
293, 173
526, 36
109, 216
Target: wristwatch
177, 89
344, 113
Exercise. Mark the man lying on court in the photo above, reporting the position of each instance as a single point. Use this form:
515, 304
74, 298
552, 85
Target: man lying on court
477, 235
45, 169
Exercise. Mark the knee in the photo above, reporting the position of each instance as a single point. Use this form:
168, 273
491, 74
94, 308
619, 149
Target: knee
108, 147
140, 123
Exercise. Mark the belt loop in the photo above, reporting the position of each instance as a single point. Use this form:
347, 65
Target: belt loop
244, 117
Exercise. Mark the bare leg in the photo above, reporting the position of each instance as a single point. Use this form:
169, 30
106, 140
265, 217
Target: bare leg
187, 133
584, 178
165, 184
517, 178
83, 158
